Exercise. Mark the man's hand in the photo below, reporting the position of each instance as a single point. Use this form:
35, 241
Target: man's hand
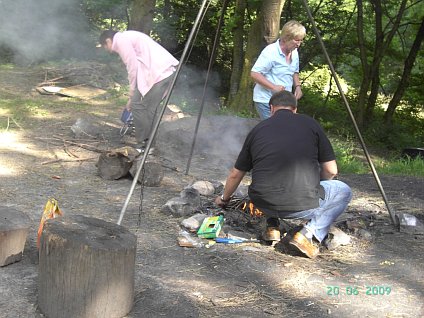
221, 203
128, 105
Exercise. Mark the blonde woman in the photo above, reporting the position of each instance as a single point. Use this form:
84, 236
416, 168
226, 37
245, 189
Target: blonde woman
277, 68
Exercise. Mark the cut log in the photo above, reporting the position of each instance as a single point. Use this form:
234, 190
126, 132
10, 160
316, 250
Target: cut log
113, 166
153, 171
14, 227
86, 268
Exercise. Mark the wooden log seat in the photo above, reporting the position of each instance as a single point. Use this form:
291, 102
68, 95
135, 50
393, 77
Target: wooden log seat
14, 227
86, 268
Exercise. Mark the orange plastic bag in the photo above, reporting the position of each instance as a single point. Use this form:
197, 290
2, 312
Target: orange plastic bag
51, 210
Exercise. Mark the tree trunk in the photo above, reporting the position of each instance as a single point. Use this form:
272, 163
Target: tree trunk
271, 13
243, 99
371, 72
141, 15
363, 89
238, 48
403, 83
263, 31
372, 98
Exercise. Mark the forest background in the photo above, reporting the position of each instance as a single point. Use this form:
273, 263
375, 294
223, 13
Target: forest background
374, 45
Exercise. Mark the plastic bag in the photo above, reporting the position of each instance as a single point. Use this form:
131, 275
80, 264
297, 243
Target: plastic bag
185, 239
51, 210
128, 119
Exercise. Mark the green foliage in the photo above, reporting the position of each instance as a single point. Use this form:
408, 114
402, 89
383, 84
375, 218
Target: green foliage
347, 161
350, 160
407, 130
408, 166
105, 14
336, 21
322, 101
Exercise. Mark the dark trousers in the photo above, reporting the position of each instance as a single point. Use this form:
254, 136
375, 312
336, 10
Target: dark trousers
145, 109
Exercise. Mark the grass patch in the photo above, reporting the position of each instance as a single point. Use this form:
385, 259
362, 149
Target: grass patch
347, 158
350, 160
26, 110
404, 166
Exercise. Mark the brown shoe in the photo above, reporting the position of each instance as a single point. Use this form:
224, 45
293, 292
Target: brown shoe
304, 245
272, 234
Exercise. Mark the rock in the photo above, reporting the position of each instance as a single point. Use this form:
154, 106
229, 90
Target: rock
409, 224
191, 195
178, 207
366, 235
204, 187
218, 186
336, 238
86, 127
194, 222
186, 204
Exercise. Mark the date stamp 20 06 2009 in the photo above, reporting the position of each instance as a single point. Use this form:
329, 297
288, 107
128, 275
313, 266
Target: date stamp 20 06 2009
355, 290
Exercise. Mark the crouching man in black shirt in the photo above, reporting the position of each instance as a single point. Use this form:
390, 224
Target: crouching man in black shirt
292, 164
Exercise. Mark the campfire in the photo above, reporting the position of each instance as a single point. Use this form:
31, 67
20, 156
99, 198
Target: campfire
248, 206
244, 205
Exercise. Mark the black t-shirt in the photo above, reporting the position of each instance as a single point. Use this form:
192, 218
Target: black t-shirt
284, 153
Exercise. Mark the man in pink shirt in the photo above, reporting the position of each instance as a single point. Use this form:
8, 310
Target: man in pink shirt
149, 67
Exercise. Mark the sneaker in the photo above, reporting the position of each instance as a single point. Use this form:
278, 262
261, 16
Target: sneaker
304, 245
272, 234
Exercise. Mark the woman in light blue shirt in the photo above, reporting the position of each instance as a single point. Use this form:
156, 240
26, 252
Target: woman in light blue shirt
277, 67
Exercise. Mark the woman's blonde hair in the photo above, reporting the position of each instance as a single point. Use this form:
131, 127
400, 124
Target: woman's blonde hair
292, 30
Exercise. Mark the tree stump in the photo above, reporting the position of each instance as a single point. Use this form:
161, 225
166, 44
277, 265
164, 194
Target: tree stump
86, 268
113, 166
153, 171
14, 227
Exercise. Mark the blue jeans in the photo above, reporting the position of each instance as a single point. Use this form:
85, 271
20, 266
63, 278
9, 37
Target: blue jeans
263, 110
337, 197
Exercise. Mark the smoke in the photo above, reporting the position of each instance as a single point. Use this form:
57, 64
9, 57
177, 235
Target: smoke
44, 29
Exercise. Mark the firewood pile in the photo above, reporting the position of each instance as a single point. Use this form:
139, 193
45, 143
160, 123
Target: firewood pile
71, 74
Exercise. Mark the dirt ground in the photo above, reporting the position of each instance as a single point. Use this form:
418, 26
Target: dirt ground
38, 161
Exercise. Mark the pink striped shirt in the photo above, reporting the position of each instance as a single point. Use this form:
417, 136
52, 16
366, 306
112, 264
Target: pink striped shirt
147, 61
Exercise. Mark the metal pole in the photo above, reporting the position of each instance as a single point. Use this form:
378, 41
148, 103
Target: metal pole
211, 60
333, 72
159, 117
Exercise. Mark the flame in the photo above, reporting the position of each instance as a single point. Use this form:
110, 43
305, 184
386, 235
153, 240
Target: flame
250, 207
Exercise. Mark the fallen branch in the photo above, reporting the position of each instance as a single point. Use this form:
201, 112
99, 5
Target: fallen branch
68, 160
84, 146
